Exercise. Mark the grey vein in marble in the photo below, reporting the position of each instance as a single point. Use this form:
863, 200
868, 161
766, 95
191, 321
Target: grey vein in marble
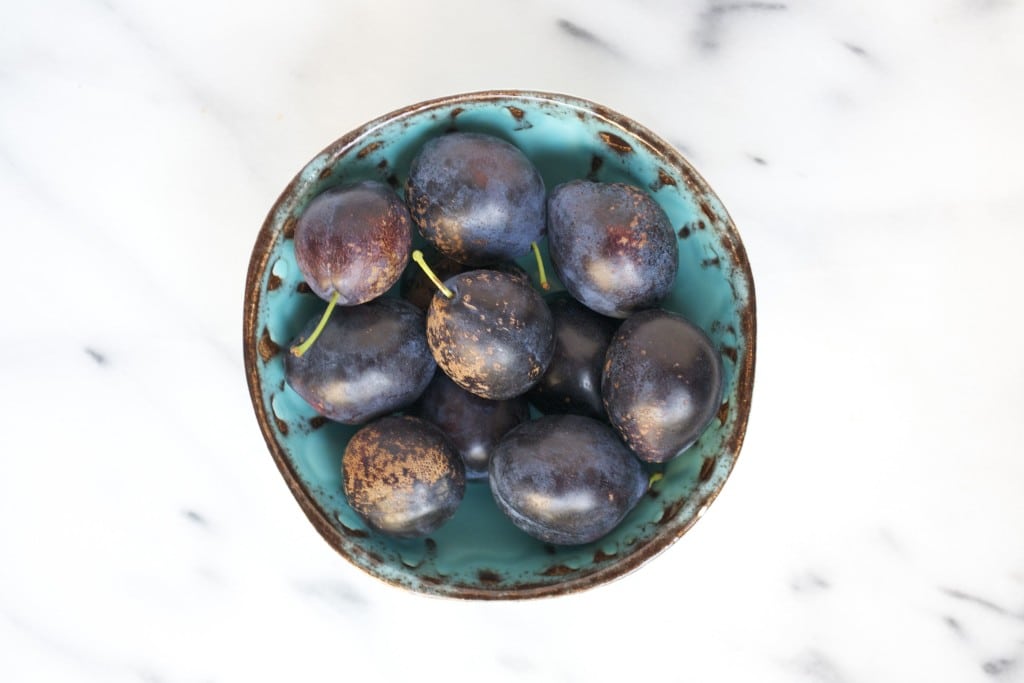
983, 602
195, 518
856, 49
999, 666
809, 582
818, 667
582, 34
713, 18
98, 357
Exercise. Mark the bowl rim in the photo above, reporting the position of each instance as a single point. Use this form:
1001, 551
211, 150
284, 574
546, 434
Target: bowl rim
669, 533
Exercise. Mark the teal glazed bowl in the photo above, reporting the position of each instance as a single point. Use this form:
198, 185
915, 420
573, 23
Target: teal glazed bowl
479, 554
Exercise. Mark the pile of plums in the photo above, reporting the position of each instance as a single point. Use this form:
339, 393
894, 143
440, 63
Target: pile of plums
442, 378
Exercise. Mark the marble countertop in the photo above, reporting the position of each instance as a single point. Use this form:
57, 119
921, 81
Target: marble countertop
869, 152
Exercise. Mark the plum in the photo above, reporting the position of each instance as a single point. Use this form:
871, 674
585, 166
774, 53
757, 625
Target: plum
662, 383
402, 476
612, 246
476, 198
565, 479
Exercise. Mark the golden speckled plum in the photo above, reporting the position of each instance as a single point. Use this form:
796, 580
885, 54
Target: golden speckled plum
402, 476
494, 337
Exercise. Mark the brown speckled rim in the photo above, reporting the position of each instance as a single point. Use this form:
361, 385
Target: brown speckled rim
669, 533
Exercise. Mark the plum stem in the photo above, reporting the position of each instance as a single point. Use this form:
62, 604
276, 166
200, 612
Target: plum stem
654, 479
304, 346
540, 267
417, 256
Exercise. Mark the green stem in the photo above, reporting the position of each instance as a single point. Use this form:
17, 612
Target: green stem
304, 346
417, 256
540, 267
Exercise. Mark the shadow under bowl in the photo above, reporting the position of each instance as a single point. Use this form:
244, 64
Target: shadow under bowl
479, 554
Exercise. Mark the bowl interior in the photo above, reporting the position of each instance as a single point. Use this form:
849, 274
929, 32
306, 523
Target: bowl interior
479, 553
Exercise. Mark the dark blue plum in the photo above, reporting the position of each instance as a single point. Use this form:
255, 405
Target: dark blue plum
402, 476
353, 241
612, 246
370, 360
475, 425
494, 337
565, 479
572, 383
662, 383
476, 198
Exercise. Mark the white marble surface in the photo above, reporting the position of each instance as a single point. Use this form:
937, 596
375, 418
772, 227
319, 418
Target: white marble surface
870, 153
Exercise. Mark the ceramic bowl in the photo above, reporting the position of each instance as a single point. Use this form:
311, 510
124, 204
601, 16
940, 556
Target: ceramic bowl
479, 554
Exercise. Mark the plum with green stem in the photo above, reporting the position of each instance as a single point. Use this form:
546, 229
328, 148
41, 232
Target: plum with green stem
369, 360
351, 244
490, 332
